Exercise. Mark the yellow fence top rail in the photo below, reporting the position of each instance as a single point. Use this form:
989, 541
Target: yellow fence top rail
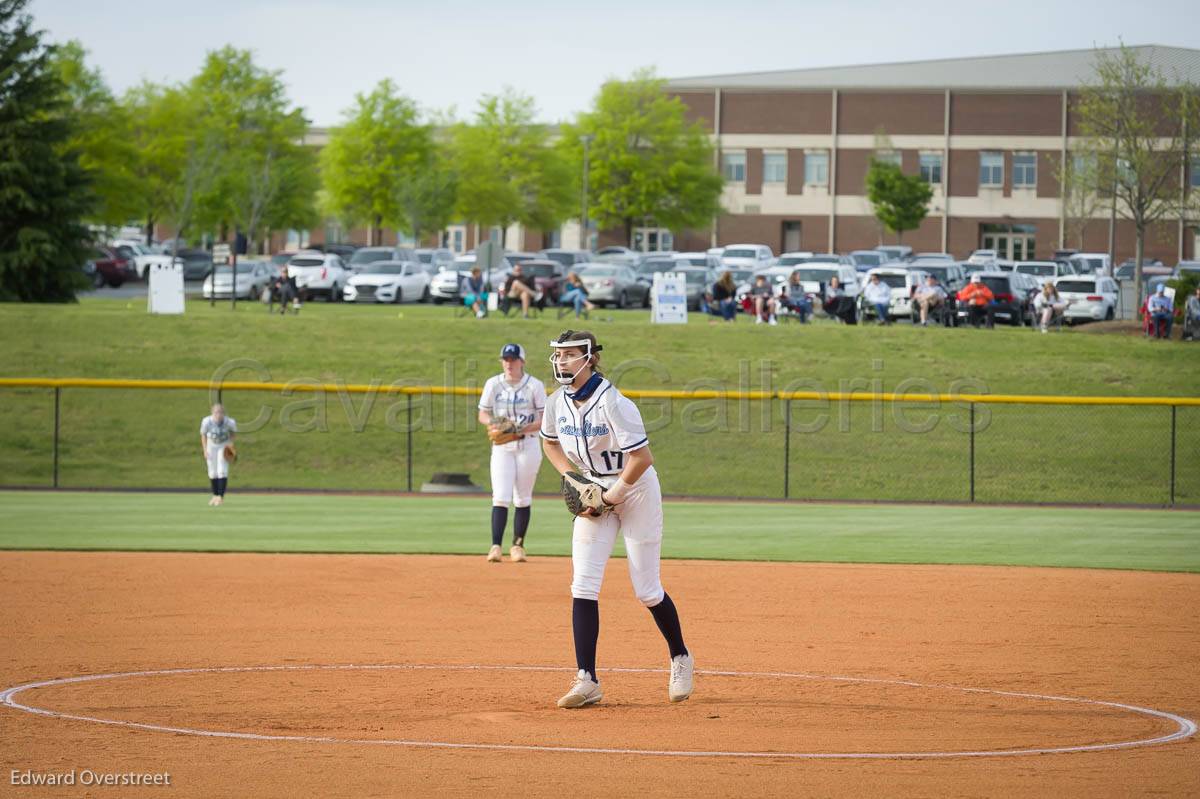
409, 387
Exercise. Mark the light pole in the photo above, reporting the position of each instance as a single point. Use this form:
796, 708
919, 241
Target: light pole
586, 236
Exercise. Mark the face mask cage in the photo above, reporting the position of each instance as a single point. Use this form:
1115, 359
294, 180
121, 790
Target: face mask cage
560, 364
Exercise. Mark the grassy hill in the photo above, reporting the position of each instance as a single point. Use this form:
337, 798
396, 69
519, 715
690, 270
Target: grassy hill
1023, 453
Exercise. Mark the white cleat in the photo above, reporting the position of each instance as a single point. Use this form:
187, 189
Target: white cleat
219, 501
517, 554
584, 691
212, 501
683, 668
494, 554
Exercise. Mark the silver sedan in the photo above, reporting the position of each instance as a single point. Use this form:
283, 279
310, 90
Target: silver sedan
613, 284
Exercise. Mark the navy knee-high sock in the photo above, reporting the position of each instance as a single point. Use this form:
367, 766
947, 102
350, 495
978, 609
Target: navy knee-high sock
520, 525
585, 622
499, 522
213, 481
221, 483
667, 618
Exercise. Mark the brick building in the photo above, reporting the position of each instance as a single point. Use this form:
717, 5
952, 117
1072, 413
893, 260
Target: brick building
988, 134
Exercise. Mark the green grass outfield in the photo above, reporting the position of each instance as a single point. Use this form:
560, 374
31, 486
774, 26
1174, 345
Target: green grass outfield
1073, 537
138, 439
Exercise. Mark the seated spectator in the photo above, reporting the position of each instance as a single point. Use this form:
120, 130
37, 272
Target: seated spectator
879, 295
575, 293
1191, 315
837, 304
285, 289
764, 301
1162, 311
793, 297
978, 298
517, 288
724, 294
474, 296
930, 296
1048, 304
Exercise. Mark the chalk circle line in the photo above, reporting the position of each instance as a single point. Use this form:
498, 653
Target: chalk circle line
1184, 727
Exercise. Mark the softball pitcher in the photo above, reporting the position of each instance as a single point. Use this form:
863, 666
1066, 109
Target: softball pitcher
217, 432
595, 437
511, 406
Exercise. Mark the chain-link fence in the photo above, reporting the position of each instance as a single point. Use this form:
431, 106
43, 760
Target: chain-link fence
767, 445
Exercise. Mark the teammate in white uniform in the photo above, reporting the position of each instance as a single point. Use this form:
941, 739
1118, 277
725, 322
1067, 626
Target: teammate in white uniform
591, 428
216, 431
514, 395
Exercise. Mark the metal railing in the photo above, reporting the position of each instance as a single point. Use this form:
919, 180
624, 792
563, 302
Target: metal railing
757, 444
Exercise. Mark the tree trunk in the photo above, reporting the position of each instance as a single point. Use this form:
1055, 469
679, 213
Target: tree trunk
628, 232
1137, 265
149, 230
377, 231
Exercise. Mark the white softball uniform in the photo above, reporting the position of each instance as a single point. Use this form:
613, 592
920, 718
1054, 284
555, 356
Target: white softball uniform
515, 464
595, 437
216, 436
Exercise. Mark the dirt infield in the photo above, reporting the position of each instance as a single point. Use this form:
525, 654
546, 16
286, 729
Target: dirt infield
1124, 637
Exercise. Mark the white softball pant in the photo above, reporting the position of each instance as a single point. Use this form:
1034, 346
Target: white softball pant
640, 520
514, 470
217, 465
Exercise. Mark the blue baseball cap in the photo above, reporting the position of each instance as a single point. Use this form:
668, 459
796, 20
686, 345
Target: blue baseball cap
513, 351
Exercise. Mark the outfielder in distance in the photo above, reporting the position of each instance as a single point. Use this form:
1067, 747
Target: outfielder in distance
217, 432
511, 406
596, 440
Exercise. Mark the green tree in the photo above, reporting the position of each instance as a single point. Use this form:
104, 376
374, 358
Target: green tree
101, 137
381, 146
1136, 125
44, 191
900, 201
264, 173
426, 202
508, 171
646, 162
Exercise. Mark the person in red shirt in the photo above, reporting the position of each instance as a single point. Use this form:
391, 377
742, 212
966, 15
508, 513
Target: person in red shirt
978, 298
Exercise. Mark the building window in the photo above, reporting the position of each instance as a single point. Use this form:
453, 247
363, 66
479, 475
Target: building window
1025, 170
652, 239
1194, 180
733, 167
931, 167
774, 167
888, 157
991, 169
816, 168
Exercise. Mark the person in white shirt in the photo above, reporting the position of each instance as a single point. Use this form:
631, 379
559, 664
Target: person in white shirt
217, 431
879, 295
591, 429
519, 398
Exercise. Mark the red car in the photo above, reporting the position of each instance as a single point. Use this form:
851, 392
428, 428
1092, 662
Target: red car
106, 267
548, 277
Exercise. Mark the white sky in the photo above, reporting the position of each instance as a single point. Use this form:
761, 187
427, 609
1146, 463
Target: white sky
446, 54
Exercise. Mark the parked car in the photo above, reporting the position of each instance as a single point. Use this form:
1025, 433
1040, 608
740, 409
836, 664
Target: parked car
614, 284
626, 256
903, 281
321, 274
896, 252
521, 257
697, 259
389, 281
1011, 304
547, 276
933, 256
252, 277
952, 276
365, 256
1190, 267
142, 256
867, 259
653, 264
1046, 270
1091, 263
982, 257
791, 258
447, 284
797, 258
282, 257
747, 256
698, 280
196, 263
813, 277
435, 259
343, 251
1149, 269
106, 267
568, 258
1092, 297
